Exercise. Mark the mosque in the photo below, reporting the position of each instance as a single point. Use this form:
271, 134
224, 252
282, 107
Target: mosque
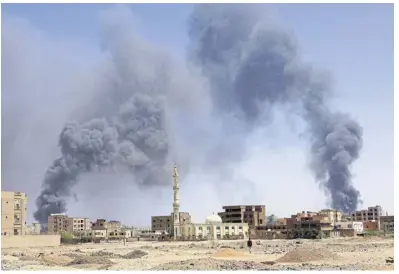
179, 226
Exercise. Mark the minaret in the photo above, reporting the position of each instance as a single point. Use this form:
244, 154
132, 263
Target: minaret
176, 204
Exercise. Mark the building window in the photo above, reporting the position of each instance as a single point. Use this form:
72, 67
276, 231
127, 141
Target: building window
226, 228
218, 227
208, 228
240, 227
200, 228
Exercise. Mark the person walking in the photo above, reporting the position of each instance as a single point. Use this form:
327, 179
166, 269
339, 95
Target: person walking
249, 245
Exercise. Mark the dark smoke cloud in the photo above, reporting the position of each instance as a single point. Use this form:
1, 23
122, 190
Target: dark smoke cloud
253, 66
129, 131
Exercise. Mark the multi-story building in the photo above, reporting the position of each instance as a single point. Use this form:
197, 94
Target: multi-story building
371, 214
164, 223
333, 216
78, 224
99, 224
253, 215
61, 222
387, 223
13, 213
114, 226
57, 223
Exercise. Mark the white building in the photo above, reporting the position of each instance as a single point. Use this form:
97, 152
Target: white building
214, 229
357, 226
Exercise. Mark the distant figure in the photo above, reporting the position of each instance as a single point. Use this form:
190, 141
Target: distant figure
249, 245
138, 238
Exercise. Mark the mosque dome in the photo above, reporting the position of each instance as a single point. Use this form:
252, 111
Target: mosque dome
213, 219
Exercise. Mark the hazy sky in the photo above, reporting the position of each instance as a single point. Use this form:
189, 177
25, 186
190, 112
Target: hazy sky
354, 42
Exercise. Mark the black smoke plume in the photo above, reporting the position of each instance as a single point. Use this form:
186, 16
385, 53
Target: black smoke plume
251, 65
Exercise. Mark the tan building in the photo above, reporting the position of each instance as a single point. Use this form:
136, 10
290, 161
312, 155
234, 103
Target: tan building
214, 229
61, 222
114, 226
165, 223
333, 216
13, 213
99, 224
78, 224
253, 215
56, 223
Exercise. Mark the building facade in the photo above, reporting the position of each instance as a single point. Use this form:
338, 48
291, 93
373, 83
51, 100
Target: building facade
356, 226
214, 229
78, 224
58, 223
333, 216
387, 223
370, 214
253, 215
164, 223
13, 213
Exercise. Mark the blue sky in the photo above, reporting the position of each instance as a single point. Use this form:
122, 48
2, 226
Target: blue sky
354, 42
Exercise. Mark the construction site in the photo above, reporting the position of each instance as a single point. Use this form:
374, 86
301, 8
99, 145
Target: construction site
355, 253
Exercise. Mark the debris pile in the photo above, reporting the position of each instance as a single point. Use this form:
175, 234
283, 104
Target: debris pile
300, 255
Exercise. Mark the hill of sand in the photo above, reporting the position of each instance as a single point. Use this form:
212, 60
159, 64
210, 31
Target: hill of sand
229, 252
301, 255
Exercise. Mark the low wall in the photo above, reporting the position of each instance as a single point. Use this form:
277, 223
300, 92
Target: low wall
30, 241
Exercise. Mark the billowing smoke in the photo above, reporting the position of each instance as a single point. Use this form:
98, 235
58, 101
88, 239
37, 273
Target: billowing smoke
251, 67
127, 130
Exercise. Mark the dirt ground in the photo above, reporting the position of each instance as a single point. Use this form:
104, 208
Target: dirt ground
325, 254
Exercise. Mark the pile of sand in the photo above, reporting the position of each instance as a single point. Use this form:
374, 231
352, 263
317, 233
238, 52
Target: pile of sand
228, 252
300, 255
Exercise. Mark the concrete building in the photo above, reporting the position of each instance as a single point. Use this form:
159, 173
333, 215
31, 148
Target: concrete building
164, 223
13, 213
78, 224
333, 216
370, 214
214, 229
33, 229
61, 222
99, 224
56, 223
387, 223
356, 226
253, 215
114, 226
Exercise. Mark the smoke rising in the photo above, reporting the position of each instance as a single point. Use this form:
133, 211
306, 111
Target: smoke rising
149, 110
253, 66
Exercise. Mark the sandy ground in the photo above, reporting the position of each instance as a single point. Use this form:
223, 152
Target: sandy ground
326, 254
